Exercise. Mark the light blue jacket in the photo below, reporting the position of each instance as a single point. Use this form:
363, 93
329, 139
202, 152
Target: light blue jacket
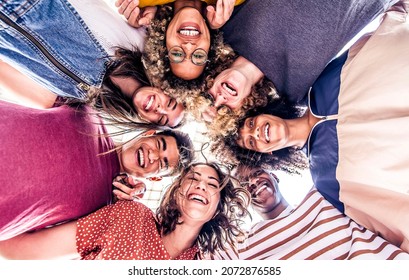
48, 41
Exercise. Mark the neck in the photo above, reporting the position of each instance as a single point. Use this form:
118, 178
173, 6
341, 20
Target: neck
181, 239
299, 129
251, 71
276, 211
180, 4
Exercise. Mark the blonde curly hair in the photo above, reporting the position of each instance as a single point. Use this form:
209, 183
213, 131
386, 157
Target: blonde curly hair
193, 93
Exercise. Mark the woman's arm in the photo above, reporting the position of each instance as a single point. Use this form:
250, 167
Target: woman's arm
18, 88
51, 243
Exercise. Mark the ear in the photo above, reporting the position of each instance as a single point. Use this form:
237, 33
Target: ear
149, 132
154, 179
275, 177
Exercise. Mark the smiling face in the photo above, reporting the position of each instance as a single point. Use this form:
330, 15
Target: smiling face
199, 194
230, 88
157, 107
153, 155
187, 30
263, 187
263, 133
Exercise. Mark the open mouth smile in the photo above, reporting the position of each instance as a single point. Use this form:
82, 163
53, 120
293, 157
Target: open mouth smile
149, 103
229, 89
189, 31
199, 198
267, 132
141, 158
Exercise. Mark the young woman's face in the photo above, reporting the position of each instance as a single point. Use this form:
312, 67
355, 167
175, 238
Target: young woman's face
263, 133
188, 33
151, 104
154, 106
199, 194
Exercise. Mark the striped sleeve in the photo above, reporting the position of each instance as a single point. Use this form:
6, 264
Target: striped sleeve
314, 230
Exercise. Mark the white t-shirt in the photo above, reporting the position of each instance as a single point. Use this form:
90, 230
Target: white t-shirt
108, 26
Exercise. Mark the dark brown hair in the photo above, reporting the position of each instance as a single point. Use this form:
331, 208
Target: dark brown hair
223, 227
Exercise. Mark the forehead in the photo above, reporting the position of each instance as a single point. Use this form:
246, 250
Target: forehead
252, 173
151, 90
170, 141
205, 171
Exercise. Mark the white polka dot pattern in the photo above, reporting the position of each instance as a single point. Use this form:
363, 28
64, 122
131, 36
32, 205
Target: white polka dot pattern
125, 230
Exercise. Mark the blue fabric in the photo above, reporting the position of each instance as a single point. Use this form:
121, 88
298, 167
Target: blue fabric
59, 28
291, 41
323, 142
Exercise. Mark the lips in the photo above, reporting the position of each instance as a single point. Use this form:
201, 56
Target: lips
259, 187
228, 88
189, 30
141, 159
198, 198
267, 132
148, 104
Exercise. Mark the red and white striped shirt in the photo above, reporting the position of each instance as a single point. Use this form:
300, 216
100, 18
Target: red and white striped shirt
314, 230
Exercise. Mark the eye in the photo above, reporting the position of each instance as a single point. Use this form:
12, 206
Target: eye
252, 142
251, 122
176, 54
256, 173
198, 56
214, 186
163, 120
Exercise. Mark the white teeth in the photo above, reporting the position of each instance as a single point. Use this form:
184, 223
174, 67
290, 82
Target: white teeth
262, 188
198, 198
149, 105
189, 31
266, 132
229, 89
141, 158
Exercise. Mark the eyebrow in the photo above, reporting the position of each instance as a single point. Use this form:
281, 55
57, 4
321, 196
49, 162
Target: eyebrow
165, 159
163, 143
210, 177
174, 106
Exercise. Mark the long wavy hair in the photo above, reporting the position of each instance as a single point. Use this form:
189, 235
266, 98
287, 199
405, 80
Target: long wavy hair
114, 106
224, 226
290, 160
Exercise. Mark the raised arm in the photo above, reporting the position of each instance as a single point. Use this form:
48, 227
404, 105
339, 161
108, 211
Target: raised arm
18, 88
52, 243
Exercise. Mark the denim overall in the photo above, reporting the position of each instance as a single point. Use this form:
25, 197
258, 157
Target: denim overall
48, 41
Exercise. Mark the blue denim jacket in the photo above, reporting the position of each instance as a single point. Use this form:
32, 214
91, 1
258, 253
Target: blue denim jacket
48, 41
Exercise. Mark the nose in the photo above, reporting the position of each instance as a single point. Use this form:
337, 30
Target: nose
160, 110
153, 156
188, 46
201, 185
220, 100
255, 132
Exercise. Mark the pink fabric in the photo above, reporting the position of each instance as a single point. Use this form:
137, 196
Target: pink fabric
50, 167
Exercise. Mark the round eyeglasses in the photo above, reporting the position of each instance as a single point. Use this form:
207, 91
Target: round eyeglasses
177, 55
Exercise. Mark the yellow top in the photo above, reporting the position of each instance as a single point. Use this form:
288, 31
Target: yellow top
144, 3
